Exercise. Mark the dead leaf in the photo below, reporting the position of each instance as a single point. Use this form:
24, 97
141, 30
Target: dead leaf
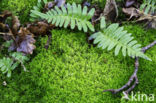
27, 45
133, 12
5, 15
60, 3
86, 3
97, 14
39, 28
24, 41
15, 24
130, 3
3, 27
48, 6
110, 10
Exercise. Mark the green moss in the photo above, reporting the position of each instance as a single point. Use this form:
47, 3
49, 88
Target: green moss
20, 8
70, 71
146, 74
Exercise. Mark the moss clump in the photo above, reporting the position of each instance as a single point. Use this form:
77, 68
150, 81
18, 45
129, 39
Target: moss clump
146, 73
20, 8
70, 71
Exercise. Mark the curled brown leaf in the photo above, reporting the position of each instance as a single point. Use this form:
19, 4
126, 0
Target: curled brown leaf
39, 28
24, 41
110, 10
15, 24
27, 45
5, 15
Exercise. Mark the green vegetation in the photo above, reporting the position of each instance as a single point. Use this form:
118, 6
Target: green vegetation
8, 64
116, 37
20, 8
38, 7
70, 71
148, 6
74, 16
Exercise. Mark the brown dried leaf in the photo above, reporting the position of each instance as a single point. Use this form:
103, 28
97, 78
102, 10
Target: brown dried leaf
130, 3
97, 14
48, 6
24, 41
4, 15
3, 27
23, 32
27, 45
60, 2
110, 10
39, 28
15, 25
133, 12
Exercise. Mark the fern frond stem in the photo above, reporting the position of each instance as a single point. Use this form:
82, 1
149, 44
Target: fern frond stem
66, 16
133, 77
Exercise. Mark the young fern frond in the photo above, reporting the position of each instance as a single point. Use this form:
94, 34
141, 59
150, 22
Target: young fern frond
114, 36
71, 16
149, 6
8, 64
39, 7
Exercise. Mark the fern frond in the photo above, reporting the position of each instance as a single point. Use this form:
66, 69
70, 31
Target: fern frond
74, 15
116, 37
148, 6
8, 64
40, 5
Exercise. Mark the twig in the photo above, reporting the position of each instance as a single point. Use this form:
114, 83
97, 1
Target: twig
148, 46
133, 77
3, 33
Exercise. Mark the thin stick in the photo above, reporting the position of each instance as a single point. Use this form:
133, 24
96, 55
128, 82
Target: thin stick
133, 77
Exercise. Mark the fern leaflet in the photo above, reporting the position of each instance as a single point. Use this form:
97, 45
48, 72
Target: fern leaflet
114, 36
149, 6
8, 64
39, 7
73, 15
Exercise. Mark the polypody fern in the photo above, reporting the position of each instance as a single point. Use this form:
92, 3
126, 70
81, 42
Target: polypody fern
39, 7
72, 15
148, 6
114, 36
8, 64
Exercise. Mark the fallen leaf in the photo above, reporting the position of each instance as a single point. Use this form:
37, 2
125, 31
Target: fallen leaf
60, 3
15, 24
5, 15
133, 12
39, 28
130, 3
48, 6
24, 41
27, 45
110, 10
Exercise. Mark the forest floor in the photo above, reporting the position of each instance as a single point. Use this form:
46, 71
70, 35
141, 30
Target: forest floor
72, 71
